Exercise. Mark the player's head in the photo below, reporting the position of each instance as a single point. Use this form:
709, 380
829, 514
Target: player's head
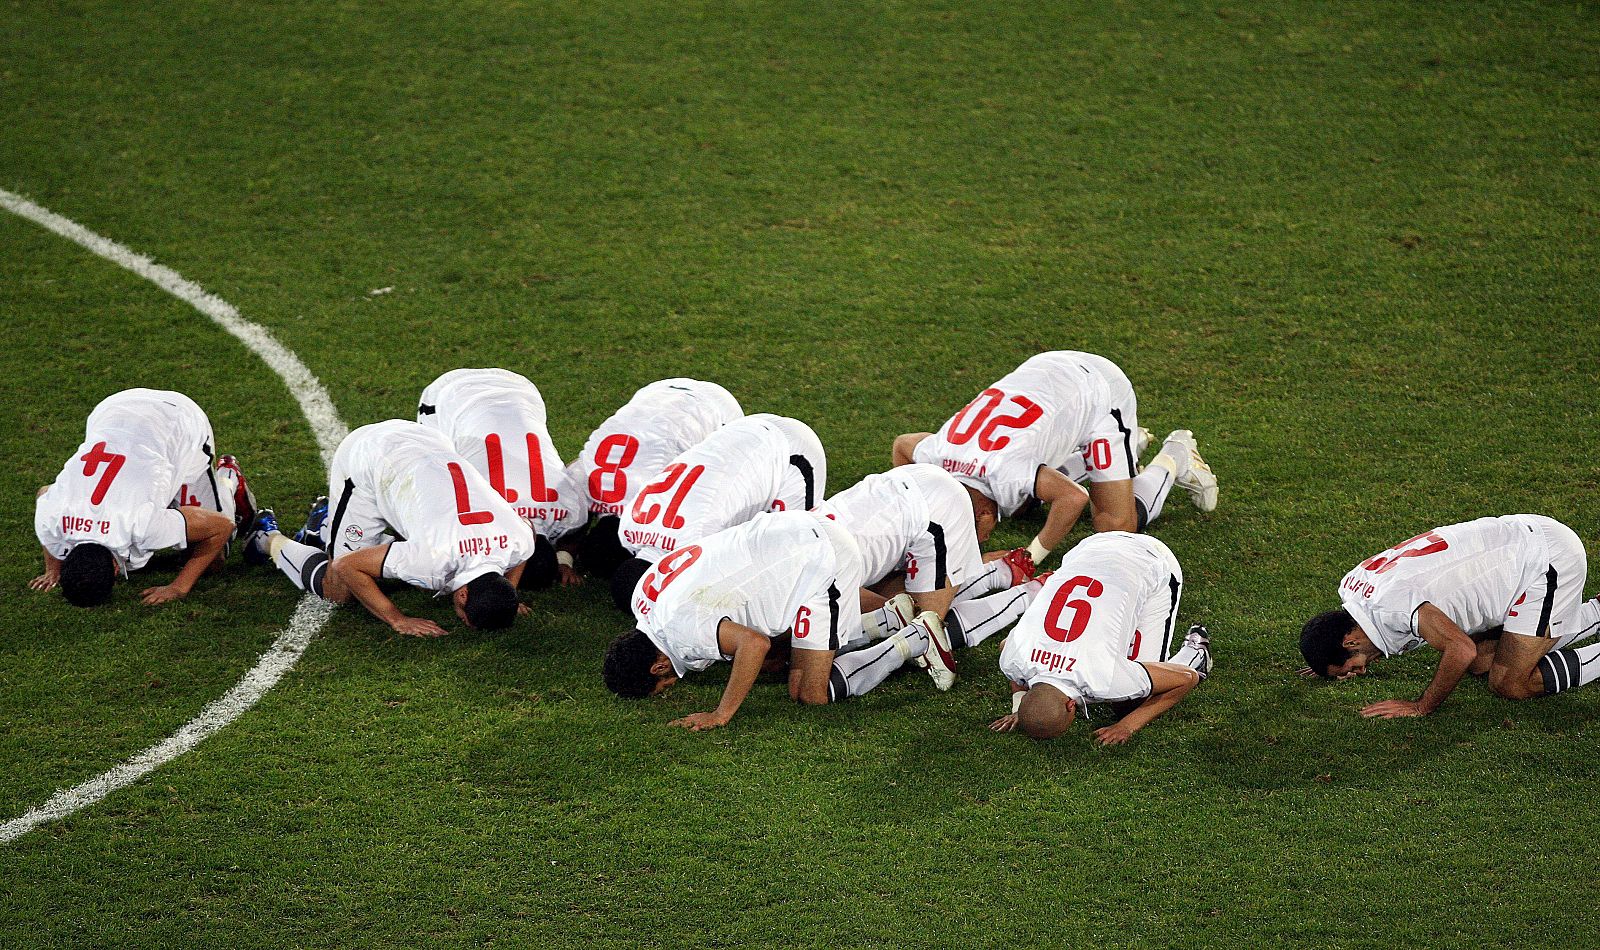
87, 575
1046, 712
540, 572
1329, 642
601, 550
634, 668
625, 580
487, 602
985, 513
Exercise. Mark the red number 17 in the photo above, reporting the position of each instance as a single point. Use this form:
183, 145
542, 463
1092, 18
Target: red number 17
463, 503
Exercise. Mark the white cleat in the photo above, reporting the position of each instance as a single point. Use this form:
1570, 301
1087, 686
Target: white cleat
1196, 651
903, 609
1141, 441
1199, 481
937, 660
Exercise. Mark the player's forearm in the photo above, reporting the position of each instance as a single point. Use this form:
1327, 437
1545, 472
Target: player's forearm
1153, 707
746, 667
52, 564
201, 556
1063, 514
365, 589
1452, 667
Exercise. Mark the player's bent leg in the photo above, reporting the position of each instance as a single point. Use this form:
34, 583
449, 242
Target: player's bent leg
808, 676
859, 671
1568, 668
937, 601
970, 622
889, 617
1514, 673
1114, 506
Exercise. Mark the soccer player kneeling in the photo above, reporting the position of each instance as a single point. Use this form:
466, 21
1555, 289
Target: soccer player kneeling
1100, 631
1502, 596
142, 481
729, 596
398, 479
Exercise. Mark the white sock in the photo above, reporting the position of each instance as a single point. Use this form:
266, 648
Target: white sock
304, 565
1190, 656
880, 623
996, 576
971, 622
857, 672
1567, 669
1151, 487
1588, 620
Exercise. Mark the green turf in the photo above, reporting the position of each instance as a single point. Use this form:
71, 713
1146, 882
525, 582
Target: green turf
1352, 245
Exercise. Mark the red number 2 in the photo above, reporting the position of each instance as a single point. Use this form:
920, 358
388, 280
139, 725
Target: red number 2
672, 520
1081, 609
668, 570
91, 463
982, 426
1390, 558
463, 503
627, 447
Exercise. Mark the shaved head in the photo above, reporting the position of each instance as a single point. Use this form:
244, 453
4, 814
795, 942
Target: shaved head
1046, 712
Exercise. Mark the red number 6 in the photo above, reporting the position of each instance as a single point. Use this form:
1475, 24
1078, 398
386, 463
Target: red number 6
1081, 609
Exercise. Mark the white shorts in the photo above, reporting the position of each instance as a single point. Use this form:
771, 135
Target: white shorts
353, 522
1109, 452
946, 553
1548, 606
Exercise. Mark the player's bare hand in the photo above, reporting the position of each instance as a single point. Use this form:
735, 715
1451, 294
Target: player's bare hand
417, 627
164, 594
524, 610
699, 722
569, 576
1004, 723
1393, 709
1114, 734
46, 581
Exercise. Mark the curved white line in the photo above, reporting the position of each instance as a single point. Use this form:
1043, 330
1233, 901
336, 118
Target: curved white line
312, 613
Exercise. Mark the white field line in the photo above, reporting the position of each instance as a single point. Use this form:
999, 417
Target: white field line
312, 613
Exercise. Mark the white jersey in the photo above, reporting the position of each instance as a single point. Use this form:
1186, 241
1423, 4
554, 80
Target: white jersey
658, 424
736, 473
496, 420
1477, 573
140, 447
780, 573
399, 479
1042, 413
1109, 608
914, 518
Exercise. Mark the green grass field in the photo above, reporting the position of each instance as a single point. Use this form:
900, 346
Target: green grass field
1353, 246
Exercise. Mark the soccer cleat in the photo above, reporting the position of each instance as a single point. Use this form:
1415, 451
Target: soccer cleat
1198, 479
937, 659
262, 527
312, 532
1141, 441
903, 609
244, 500
1197, 650
1021, 564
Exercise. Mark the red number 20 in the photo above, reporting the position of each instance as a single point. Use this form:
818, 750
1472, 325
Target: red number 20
1081, 609
962, 429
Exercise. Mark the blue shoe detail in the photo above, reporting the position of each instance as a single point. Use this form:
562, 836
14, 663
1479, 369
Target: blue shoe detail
255, 542
312, 532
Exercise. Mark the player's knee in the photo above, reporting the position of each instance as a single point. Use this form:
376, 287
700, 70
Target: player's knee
1508, 685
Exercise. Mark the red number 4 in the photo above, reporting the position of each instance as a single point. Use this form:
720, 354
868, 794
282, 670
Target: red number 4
91, 463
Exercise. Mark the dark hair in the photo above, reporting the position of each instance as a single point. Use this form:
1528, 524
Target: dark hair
1322, 640
87, 574
625, 580
491, 602
601, 550
540, 571
627, 665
